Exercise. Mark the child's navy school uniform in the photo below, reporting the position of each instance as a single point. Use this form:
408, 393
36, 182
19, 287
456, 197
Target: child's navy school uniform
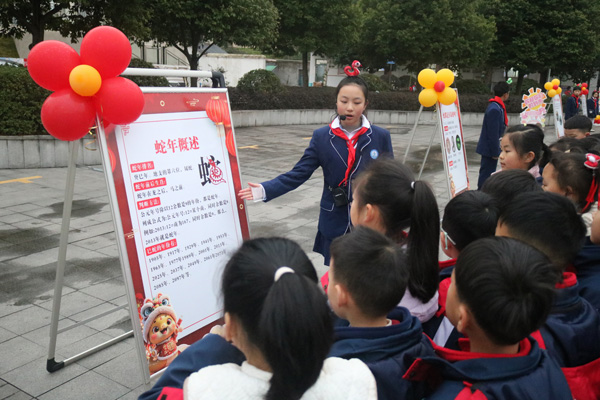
587, 269
330, 152
384, 350
572, 107
593, 107
572, 331
453, 374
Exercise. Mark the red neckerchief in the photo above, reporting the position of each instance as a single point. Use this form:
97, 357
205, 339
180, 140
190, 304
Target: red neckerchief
595, 103
351, 144
499, 101
576, 100
465, 353
569, 279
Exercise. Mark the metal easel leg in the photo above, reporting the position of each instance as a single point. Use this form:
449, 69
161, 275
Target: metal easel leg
412, 135
51, 364
435, 132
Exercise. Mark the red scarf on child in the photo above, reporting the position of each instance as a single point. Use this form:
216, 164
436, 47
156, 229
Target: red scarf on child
576, 100
499, 101
351, 144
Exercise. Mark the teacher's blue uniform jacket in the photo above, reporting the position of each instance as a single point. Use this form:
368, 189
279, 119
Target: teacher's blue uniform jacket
455, 374
331, 153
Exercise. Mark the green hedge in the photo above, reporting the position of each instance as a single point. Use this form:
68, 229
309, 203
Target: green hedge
324, 97
21, 100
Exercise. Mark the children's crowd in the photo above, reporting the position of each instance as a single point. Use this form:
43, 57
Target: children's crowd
512, 314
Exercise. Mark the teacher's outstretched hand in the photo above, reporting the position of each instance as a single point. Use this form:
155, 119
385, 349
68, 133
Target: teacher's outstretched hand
246, 194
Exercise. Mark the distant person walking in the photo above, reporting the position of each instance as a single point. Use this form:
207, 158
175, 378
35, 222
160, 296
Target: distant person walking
495, 122
573, 106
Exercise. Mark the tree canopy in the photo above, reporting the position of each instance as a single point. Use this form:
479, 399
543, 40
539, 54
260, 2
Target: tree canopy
71, 18
187, 24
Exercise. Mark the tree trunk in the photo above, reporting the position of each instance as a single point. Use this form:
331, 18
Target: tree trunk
193, 60
305, 69
37, 24
517, 91
543, 77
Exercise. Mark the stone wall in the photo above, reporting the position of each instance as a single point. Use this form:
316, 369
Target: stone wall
45, 151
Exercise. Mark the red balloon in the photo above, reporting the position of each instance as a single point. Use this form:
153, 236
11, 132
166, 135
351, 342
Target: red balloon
68, 116
439, 86
120, 101
50, 62
584, 85
107, 49
555, 87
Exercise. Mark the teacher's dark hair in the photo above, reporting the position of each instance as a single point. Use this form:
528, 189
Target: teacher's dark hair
288, 320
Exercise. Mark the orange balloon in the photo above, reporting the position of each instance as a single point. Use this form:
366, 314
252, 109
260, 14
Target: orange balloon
548, 85
428, 97
85, 80
446, 76
427, 78
448, 96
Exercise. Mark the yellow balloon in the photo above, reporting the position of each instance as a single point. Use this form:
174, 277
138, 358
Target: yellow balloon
85, 80
428, 97
551, 93
448, 96
555, 82
427, 79
548, 85
559, 90
446, 76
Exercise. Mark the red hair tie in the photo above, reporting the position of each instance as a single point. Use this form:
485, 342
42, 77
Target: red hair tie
591, 162
353, 70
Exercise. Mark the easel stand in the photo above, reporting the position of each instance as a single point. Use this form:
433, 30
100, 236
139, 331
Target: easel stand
412, 136
52, 365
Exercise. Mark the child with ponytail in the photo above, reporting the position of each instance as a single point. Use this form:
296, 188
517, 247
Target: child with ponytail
278, 317
388, 199
575, 176
523, 148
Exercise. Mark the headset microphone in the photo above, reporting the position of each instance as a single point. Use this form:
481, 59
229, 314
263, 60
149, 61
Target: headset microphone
342, 117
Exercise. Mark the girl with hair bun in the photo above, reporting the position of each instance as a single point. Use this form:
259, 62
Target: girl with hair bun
278, 317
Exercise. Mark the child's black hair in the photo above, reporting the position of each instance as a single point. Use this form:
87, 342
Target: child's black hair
503, 186
570, 170
579, 122
353, 80
501, 88
373, 269
526, 138
567, 144
406, 203
470, 216
507, 285
289, 320
547, 221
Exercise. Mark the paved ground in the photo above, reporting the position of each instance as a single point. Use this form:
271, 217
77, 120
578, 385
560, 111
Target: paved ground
30, 218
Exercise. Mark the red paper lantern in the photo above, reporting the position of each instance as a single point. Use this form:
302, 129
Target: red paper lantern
217, 111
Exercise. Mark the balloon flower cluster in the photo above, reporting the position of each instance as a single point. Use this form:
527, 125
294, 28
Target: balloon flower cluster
437, 87
597, 120
85, 84
584, 88
553, 87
